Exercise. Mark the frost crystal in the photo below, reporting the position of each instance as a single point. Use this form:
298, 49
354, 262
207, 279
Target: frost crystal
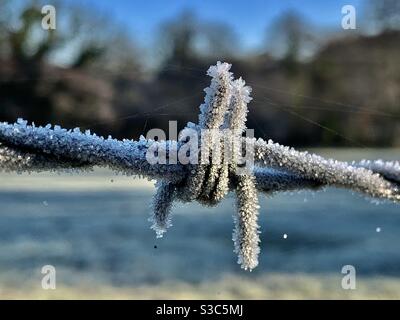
28, 148
245, 234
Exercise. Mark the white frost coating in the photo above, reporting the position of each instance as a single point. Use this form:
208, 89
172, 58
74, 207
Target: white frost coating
216, 101
245, 234
271, 180
27, 148
389, 169
162, 203
14, 160
231, 130
39, 158
236, 116
326, 171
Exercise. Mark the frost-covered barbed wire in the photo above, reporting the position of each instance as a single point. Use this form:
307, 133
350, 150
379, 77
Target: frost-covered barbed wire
29, 148
19, 160
126, 156
245, 234
162, 203
369, 180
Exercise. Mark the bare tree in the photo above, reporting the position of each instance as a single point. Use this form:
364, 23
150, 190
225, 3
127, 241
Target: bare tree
385, 14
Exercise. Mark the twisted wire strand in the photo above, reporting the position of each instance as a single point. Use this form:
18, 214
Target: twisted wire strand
246, 232
14, 159
161, 205
390, 170
200, 184
270, 181
126, 156
18, 160
329, 172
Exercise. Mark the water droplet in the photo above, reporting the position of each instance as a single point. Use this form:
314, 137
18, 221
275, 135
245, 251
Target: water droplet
378, 229
285, 236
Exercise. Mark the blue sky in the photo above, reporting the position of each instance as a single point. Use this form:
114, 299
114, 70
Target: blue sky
248, 19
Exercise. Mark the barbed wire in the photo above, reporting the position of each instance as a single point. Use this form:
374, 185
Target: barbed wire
277, 168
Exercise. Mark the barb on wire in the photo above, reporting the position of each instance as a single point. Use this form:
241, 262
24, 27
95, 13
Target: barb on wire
223, 115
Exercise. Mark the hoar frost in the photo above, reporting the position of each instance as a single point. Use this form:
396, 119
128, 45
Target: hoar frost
30, 148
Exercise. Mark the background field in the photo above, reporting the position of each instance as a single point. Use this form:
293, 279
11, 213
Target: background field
94, 230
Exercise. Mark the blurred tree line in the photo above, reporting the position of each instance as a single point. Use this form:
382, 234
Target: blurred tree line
310, 87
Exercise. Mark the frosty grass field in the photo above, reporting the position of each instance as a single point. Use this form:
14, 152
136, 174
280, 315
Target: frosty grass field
93, 228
